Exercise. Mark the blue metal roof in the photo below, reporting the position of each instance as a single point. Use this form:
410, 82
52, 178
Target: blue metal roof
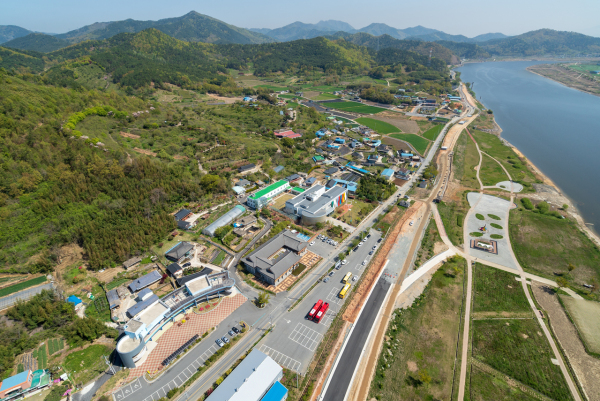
15, 380
388, 172
140, 306
278, 169
277, 392
144, 281
74, 300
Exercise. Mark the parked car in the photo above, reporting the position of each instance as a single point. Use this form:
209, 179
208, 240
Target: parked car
312, 243
364, 262
225, 339
326, 279
332, 273
188, 264
374, 247
235, 330
231, 333
219, 342
379, 240
371, 253
344, 261
368, 235
411, 223
354, 278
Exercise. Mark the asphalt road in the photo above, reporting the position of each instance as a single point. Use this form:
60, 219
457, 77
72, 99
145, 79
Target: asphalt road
340, 383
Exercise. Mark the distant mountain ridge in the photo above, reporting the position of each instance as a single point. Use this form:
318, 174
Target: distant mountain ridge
10, 32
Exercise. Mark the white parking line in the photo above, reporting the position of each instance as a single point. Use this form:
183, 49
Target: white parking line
281, 359
306, 337
333, 298
329, 316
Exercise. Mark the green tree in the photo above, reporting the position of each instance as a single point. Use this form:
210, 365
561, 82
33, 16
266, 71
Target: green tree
424, 376
562, 282
543, 207
571, 267
263, 298
287, 142
565, 207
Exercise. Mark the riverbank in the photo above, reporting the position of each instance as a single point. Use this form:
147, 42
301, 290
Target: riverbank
560, 197
566, 77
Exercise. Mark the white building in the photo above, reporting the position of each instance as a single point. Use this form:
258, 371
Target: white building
262, 197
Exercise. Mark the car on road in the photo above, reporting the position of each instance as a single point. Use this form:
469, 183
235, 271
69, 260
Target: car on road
235, 330
219, 342
231, 333
332, 273
312, 243
225, 339
344, 261
326, 279
354, 278
411, 223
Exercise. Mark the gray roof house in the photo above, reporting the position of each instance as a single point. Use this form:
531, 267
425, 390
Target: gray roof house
182, 214
273, 261
179, 251
113, 299
144, 281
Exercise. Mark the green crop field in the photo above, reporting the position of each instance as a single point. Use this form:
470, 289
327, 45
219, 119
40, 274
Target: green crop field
273, 88
325, 96
432, 133
219, 259
354, 107
288, 96
323, 88
585, 67
379, 126
419, 143
517, 348
497, 291
344, 120
21, 286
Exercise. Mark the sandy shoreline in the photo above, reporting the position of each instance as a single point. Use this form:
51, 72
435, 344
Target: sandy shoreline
562, 83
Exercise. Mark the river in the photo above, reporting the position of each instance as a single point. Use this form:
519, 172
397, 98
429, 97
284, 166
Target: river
556, 127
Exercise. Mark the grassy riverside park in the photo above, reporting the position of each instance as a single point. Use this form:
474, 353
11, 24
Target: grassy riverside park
420, 144
379, 126
495, 290
418, 356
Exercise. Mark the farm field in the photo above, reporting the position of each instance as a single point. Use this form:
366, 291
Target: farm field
546, 245
433, 132
419, 143
354, 107
585, 67
418, 357
86, 364
323, 88
325, 96
495, 290
272, 87
21, 286
379, 126
517, 348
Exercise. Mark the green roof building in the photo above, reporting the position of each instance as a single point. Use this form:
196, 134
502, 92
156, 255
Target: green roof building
262, 197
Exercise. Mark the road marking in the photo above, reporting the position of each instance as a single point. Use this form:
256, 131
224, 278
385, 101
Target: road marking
281, 358
329, 316
332, 297
306, 337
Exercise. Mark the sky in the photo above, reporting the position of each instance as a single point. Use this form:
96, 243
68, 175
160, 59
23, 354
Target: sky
465, 17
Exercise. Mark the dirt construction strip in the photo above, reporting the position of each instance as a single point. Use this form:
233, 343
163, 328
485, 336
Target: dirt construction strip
360, 295
362, 383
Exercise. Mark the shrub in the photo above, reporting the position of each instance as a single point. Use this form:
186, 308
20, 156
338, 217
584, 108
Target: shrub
496, 236
543, 207
480, 216
527, 203
476, 234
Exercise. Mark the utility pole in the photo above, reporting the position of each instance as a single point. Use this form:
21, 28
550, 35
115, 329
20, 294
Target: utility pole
110, 367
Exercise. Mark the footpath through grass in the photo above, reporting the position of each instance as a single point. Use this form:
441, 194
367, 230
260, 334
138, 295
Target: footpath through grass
495, 290
417, 360
485, 387
518, 348
379, 126
453, 216
419, 143
546, 245
21, 286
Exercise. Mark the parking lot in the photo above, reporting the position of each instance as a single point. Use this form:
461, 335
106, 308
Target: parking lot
295, 338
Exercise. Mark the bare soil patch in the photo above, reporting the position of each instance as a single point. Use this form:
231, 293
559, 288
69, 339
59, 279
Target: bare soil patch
397, 144
128, 135
585, 367
228, 100
145, 152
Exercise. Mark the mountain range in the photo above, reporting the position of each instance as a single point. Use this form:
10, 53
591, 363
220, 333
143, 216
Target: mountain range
195, 27
300, 30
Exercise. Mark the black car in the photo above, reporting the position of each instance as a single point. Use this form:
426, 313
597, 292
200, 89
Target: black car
187, 265
369, 236
235, 330
379, 240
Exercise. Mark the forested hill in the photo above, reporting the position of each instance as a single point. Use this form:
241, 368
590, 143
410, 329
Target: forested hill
57, 189
192, 27
151, 57
38, 42
536, 43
